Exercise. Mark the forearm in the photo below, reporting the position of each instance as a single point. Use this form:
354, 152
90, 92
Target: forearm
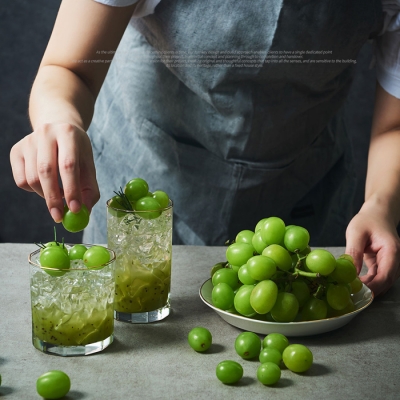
383, 178
59, 96
383, 175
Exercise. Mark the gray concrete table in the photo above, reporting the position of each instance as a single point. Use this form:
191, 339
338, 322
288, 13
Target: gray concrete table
358, 361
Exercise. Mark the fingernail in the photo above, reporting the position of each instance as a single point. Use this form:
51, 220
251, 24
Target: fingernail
56, 214
74, 206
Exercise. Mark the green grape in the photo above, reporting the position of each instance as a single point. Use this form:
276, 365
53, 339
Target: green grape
53, 384
217, 267
337, 313
245, 277
55, 243
229, 371
296, 239
226, 275
356, 285
268, 373
276, 341
200, 339
245, 236
242, 301
273, 231
269, 354
75, 222
337, 296
248, 345
285, 308
234, 267
297, 358
136, 189
347, 257
115, 205
260, 224
261, 267
148, 208
76, 252
54, 257
239, 253
257, 242
161, 198
280, 255
222, 296
96, 257
263, 296
302, 292
315, 309
344, 272
321, 261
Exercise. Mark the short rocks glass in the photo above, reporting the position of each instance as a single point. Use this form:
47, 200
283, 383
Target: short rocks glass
72, 309
142, 241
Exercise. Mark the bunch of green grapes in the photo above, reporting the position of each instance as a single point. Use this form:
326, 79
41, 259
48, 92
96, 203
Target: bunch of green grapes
136, 197
272, 274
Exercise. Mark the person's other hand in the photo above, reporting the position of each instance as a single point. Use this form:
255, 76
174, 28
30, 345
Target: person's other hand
372, 237
53, 151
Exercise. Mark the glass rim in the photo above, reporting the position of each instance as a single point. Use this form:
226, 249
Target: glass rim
97, 268
169, 206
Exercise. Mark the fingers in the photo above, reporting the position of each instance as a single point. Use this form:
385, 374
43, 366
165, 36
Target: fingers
53, 151
47, 170
69, 166
384, 272
356, 243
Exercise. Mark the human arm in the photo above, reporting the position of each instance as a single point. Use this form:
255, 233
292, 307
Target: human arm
62, 102
372, 232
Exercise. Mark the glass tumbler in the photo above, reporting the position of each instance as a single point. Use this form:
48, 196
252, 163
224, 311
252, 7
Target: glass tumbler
142, 241
72, 309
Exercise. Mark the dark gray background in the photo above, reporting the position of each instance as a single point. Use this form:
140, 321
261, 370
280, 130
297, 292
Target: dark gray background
25, 27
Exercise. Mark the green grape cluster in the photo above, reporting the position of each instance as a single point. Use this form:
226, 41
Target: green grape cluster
272, 274
136, 197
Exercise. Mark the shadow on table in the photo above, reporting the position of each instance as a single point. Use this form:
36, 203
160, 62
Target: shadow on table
75, 395
6, 390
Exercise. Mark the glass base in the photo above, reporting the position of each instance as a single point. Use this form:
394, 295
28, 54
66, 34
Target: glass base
143, 318
70, 351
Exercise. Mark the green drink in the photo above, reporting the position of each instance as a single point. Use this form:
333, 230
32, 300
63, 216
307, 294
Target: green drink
72, 310
143, 243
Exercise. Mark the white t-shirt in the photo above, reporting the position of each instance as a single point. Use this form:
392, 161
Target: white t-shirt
387, 49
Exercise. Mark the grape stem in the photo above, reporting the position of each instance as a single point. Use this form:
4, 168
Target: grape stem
306, 274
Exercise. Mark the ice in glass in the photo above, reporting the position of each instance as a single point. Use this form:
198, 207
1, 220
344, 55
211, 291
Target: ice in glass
142, 242
72, 314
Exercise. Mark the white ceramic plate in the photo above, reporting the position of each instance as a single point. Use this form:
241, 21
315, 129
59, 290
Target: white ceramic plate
362, 300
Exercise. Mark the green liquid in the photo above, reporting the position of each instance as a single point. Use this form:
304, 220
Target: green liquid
141, 288
77, 329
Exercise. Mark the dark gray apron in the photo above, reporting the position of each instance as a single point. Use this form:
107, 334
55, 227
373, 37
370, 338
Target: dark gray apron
234, 145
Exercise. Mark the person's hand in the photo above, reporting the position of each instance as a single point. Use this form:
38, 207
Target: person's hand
372, 237
53, 151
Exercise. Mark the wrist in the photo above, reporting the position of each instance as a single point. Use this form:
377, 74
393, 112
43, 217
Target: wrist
385, 205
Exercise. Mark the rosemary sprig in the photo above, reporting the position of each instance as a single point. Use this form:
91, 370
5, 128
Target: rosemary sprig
124, 200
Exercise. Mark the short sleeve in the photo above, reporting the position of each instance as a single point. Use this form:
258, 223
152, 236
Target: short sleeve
387, 50
143, 8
